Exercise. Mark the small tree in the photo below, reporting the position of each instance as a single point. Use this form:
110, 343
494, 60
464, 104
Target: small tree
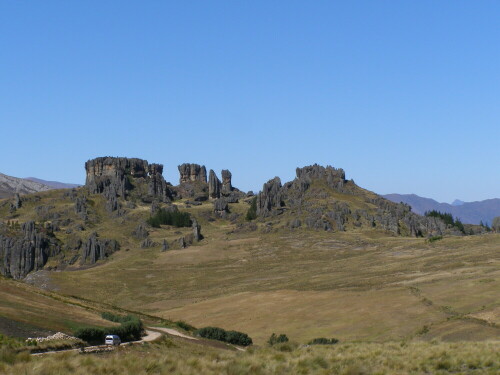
275, 339
252, 211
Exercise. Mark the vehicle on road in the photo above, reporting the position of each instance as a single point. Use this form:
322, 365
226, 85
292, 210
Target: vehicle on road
112, 340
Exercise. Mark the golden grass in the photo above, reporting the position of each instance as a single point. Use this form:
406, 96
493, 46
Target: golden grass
175, 356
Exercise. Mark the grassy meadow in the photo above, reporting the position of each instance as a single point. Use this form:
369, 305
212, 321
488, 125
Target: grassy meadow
176, 356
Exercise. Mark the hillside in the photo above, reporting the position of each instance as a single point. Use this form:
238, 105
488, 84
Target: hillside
322, 257
53, 184
10, 185
27, 311
467, 212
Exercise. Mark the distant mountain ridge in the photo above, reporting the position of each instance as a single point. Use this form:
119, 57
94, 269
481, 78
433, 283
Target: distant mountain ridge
467, 212
53, 184
10, 185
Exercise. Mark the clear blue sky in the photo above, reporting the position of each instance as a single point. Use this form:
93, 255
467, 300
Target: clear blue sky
404, 95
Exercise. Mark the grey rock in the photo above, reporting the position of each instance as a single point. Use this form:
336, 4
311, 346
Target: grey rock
164, 246
220, 205
295, 223
113, 177
214, 185
97, 249
196, 231
81, 207
140, 232
270, 198
147, 243
28, 251
227, 187
192, 172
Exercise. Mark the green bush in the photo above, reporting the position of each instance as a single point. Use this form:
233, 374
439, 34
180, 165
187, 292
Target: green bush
434, 238
219, 334
252, 211
185, 326
323, 341
275, 339
175, 218
130, 330
117, 318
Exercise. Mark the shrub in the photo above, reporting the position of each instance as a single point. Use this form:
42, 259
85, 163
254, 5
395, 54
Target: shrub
252, 211
275, 339
434, 238
185, 326
323, 341
117, 318
219, 334
175, 218
130, 330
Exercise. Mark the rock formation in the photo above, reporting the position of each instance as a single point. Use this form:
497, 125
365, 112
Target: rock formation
192, 172
196, 231
214, 185
227, 188
270, 198
116, 177
164, 246
97, 249
28, 251
221, 207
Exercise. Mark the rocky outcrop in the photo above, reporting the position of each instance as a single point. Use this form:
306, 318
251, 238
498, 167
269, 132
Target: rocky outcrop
270, 198
221, 207
227, 188
116, 177
164, 246
81, 207
334, 178
140, 232
97, 249
192, 172
27, 251
196, 231
214, 185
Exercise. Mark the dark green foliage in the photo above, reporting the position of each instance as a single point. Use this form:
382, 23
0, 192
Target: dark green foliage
176, 218
275, 339
117, 318
129, 330
185, 326
219, 334
91, 335
434, 238
238, 338
252, 211
447, 218
323, 341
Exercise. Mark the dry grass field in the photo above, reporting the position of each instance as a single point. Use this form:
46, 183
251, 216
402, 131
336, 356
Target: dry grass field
177, 356
356, 285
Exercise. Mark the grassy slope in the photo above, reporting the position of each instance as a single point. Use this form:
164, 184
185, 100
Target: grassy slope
176, 356
27, 308
357, 285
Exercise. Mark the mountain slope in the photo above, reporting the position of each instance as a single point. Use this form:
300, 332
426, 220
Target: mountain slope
467, 212
10, 185
53, 184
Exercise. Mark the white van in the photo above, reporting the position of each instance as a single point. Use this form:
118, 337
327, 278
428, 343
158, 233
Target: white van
112, 340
